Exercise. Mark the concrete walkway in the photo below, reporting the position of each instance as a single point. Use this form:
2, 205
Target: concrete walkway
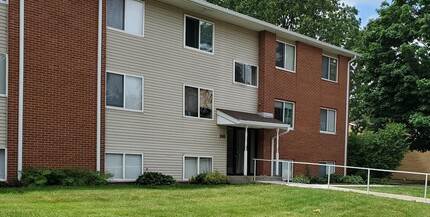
342, 188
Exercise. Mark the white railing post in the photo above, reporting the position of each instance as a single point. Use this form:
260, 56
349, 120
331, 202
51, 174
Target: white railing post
255, 169
329, 172
425, 188
289, 172
368, 181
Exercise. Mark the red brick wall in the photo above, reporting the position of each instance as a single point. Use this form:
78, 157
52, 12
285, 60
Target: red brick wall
309, 92
60, 92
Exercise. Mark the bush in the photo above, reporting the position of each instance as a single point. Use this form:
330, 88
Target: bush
301, 179
379, 181
355, 180
383, 149
154, 178
66, 177
3, 184
319, 180
210, 178
336, 178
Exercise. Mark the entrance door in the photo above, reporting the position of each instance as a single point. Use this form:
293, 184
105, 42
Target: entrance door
236, 148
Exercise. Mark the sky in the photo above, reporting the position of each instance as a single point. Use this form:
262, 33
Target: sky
366, 9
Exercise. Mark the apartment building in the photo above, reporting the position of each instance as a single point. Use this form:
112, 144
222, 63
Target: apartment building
178, 87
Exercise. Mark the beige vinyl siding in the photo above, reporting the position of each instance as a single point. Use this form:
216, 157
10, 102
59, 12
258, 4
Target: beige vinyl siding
3, 28
161, 132
3, 100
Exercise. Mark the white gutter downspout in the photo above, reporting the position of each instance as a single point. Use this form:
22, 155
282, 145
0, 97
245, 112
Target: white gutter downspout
99, 79
272, 150
21, 87
347, 115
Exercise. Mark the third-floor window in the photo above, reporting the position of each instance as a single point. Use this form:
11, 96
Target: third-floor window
125, 15
199, 34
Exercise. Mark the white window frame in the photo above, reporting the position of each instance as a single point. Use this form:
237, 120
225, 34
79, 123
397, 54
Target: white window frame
198, 102
125, 31
123, 165
200, 21
198, 164
5, 164
327, 168
7, 75
234, 73
4, 2
285, 60
124, 83
335, 121
337, 69
283, 111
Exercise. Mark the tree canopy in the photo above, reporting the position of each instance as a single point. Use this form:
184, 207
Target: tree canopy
326, 20
392, 83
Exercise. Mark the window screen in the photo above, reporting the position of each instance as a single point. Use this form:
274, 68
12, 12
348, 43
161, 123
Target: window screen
114, 90
134, 17
3, 74
133, 166
290, 57
190, 167
2, 164
205, 165
133, 93
114, 165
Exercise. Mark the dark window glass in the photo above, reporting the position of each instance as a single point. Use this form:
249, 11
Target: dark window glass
323, 120
114, 90
192, 32
278, 111
191, 101
239, 72
280, 54
325, 66
115, 13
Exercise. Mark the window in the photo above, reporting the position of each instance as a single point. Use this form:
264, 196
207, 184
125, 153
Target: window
124, 166
198, 102
3, 1
3, 74
126, 15
245, 74
329, 68
325, 170
284, 111
285, 56
328, 120
199, 34
124, 91
2, 164
196, 165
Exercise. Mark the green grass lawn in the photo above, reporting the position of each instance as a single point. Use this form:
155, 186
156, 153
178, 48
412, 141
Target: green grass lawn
230, 200
411, 190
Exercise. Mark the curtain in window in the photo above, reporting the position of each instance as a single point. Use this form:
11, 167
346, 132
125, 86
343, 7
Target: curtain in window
134, 17
2, 164
192, 32
115, 13
239, 75
290, 56
114, 165
191, 101
133, 93
325, 66
278, 111
133, 166
205, 103
323, 120
333, 69
2, 74
114, 90
206, 35
331, 121
205, 165
280, 54
190, 167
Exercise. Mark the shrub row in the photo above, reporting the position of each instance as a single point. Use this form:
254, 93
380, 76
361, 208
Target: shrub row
210, 178
65, 177
335, 179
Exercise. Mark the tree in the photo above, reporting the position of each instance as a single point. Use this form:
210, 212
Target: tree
326, 20
383, 149
393, 82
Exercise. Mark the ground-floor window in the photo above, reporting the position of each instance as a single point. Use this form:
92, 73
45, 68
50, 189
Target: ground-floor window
325, 170
124, 166
196, 165
2, 164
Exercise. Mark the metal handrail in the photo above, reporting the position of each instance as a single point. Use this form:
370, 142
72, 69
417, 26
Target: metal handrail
291, 163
